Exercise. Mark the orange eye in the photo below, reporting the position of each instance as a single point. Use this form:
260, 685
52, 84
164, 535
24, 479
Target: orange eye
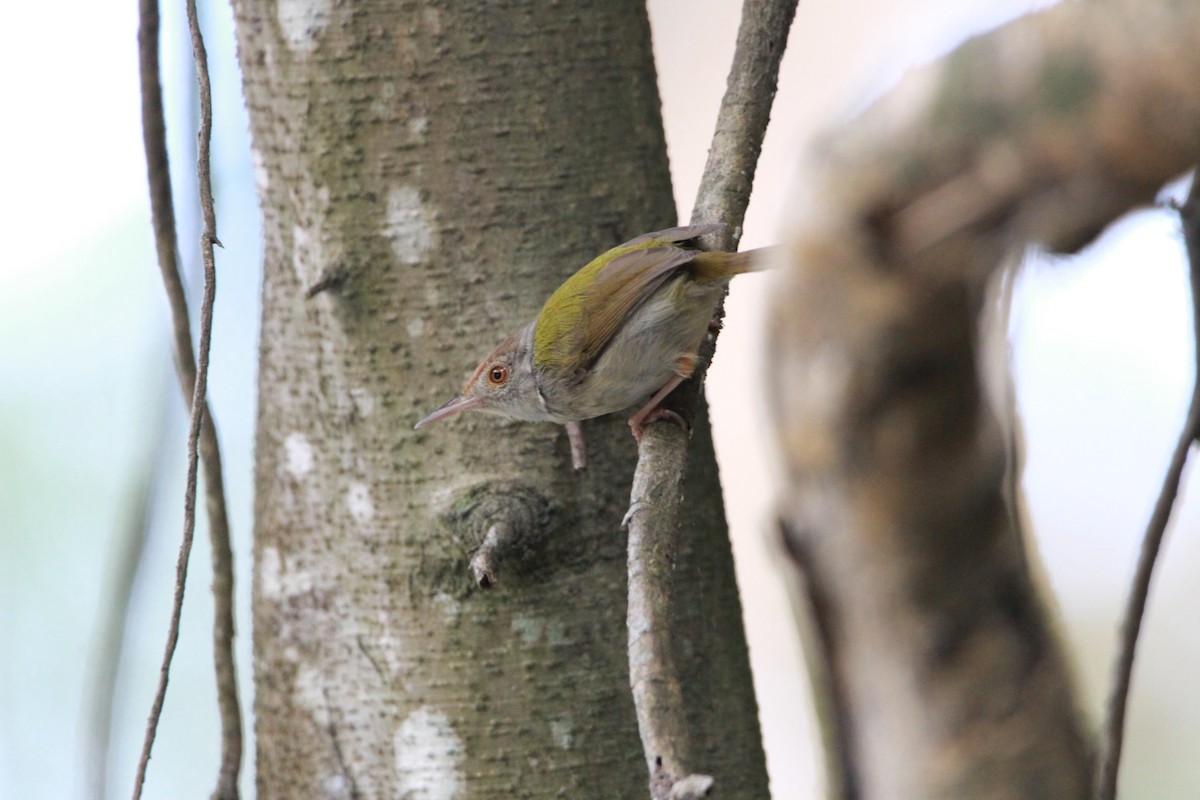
498, 374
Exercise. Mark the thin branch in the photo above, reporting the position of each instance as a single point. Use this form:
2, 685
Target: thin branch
202, 437
485, 563
653, 516
745, 111
222, 555
653, 679
163, 217
1135, 607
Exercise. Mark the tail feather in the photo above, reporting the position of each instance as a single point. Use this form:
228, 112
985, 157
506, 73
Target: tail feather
718, 266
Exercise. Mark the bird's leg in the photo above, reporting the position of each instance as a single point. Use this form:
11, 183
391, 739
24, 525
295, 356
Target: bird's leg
684, 367
578, 451
650, 412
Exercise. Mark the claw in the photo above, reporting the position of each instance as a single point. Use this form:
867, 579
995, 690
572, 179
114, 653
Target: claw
638, 426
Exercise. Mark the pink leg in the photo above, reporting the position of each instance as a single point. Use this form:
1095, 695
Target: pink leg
575, 437
649, 413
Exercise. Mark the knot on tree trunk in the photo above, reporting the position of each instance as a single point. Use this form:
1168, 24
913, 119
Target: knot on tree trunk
501, 521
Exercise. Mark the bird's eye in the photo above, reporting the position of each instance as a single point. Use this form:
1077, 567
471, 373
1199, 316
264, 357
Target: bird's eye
498, 374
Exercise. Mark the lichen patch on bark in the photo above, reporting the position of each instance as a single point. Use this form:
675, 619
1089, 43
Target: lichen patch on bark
297, 454
409, 224
302, 22
358, 500
428, 756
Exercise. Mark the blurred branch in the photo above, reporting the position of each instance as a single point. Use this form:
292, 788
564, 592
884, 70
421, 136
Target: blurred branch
1043, 130
1135, 608
126, 562
193, 377
823, 656
657, 491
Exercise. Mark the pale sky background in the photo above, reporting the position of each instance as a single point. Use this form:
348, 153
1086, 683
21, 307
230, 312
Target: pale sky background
1101, 345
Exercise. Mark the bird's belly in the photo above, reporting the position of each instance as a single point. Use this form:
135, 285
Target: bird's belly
643, 356
630, 377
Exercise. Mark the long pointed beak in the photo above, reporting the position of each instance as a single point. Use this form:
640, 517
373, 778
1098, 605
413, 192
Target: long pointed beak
450, 408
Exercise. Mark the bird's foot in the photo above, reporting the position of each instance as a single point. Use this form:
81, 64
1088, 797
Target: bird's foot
639, 421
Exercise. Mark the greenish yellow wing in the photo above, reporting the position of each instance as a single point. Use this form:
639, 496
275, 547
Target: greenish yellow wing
582, 316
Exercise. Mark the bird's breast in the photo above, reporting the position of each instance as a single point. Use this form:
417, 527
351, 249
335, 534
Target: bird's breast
641, 357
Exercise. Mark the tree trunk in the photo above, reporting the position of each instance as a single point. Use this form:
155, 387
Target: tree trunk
428, 173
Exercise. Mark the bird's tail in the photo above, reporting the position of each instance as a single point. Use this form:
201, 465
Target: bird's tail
718, 266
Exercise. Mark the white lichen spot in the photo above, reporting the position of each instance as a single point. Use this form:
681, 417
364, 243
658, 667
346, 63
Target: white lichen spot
429, 757
364, 403
448, 604
417, 128
302, 22
335, 785
260, 171
297, 455
528, 627
562, 730
416, 328
382, 106
279, 578
358, 500
409, 224
308, 690
270, 574
306, 259
433, 295
389, 645
442, 497
556, 633
433, 19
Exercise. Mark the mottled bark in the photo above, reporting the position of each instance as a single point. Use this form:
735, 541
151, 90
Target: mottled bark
947, 679
429, 172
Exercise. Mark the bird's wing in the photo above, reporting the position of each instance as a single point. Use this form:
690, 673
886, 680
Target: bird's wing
581, 318
620, 289
673, 235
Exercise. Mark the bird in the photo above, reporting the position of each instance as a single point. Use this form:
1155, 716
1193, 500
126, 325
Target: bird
623, 331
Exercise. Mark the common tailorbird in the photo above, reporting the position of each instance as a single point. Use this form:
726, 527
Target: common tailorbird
622, 331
